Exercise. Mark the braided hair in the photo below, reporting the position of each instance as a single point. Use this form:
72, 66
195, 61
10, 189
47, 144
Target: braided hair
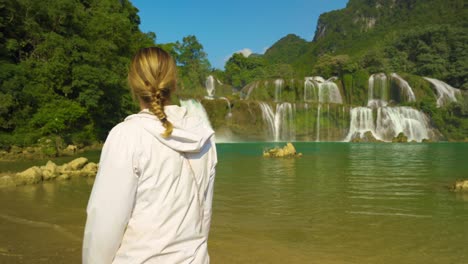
152, 79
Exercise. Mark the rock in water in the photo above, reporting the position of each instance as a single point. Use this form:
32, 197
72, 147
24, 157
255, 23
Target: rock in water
460, 185
49, 171
90, 169
29, 176
401, 138
78, 163
287, 151
7, 181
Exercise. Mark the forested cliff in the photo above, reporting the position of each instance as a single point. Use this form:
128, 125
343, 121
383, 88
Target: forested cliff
422, 37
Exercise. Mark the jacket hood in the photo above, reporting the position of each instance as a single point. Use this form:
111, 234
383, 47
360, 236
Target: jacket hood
190, 133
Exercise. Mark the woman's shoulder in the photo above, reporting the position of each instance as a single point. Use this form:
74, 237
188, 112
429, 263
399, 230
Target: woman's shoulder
126, 129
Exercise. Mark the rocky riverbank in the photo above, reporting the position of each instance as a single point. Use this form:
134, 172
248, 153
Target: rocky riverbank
44, 148
79, 167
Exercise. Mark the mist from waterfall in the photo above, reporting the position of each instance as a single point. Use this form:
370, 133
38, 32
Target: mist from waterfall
195, 108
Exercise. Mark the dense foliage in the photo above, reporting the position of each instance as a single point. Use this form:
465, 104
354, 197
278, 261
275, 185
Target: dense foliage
63, 67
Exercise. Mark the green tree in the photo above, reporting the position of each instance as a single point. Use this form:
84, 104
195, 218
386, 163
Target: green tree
68, 58
192, 61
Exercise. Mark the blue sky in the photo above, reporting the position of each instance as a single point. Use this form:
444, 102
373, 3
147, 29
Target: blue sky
226, 27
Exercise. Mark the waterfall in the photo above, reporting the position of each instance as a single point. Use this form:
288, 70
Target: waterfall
378, 94
394, 120
210, 86
195, 108
329, 93
389, 123
362, 120
321, 90
269, 117
318, 123
278, 88
281, 122
328, 123
228, 105
249, 87
284, 122
404, 86
310, 93
381, 91
445, 92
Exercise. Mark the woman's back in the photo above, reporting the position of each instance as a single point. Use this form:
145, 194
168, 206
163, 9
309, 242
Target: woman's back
171, 181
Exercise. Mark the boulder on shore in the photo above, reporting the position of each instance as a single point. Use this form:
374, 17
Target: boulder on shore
90, 169
77, 164
79, 167
287, 151
49, 171
29, 176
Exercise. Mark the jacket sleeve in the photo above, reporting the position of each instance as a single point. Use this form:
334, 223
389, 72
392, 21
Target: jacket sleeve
112, 199
208, 205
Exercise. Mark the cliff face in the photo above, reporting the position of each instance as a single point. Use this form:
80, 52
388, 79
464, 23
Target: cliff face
362, 16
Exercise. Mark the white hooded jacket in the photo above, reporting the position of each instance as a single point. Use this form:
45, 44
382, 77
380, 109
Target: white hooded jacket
151, 201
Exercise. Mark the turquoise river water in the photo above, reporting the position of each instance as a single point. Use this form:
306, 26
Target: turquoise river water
339, 203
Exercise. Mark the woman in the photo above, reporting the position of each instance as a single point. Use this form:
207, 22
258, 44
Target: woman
151, 201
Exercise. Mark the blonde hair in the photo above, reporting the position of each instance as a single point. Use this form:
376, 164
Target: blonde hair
152, 79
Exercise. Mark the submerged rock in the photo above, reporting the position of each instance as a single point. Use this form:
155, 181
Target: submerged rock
367, 137
7, 181
287, 151
460, 185
401, 138
63, 177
